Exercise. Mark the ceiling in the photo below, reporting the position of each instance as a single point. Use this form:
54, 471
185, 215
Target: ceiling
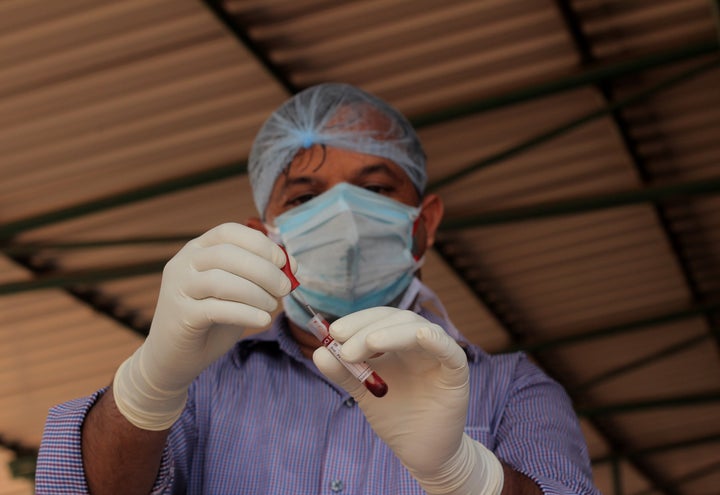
574, 142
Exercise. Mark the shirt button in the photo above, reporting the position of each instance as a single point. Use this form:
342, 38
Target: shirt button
337, 485
349, 402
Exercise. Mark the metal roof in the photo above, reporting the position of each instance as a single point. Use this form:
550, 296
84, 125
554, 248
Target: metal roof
574, 142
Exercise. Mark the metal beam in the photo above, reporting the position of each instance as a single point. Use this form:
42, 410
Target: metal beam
605, 72
189, 181
61, 280
632, 326
230, 23
35, 247
574, 206
75, 285
103, 304
639, 406
617, 477
686, 478
644, 361
533, 212
562, 129
657, 449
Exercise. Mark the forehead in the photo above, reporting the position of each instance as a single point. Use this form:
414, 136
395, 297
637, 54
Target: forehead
326, 163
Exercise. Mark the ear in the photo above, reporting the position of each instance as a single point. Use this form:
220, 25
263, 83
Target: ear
431, 213
257, 224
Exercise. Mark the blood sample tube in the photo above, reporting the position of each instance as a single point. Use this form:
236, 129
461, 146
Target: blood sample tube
362, 371
321, 329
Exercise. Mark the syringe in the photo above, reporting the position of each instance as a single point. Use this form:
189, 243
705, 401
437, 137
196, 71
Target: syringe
320, 327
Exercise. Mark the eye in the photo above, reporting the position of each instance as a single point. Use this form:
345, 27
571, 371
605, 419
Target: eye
380, 189
298, 200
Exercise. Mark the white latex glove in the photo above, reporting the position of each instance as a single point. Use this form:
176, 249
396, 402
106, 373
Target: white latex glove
423, 415
214, 288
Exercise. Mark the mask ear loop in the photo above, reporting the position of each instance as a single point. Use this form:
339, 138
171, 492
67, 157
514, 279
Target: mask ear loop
273, 234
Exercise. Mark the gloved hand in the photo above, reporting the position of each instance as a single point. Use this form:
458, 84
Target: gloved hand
215, 287
423, 415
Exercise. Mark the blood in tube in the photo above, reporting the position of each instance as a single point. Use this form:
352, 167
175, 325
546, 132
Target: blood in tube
320, 327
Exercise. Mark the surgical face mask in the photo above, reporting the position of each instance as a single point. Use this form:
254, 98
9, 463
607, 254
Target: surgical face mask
353, 248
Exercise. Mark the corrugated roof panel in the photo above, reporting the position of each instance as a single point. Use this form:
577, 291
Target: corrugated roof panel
668, 425
615, 27
456, 143
592, 359
587, 160
95, 38
700, 460
37, 366
695, 370
10, 271
604, 298
361, 65
418, 55
675, 129
631, 481
97, 258
701, 244
201, 100
707, 484
189, 211
19, 14
134, 297
596, 443
467, 314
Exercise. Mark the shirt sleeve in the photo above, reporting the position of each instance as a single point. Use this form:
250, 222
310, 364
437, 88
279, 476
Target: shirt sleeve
539, 434
60, 468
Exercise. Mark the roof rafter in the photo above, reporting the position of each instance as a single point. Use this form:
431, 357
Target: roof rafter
545, 136
217, 8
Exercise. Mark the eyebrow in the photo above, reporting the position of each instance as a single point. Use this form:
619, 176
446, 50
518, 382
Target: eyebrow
303, 179
364, 172
377, 168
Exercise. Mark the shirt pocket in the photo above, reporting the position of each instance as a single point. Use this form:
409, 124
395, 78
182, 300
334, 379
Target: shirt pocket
482, 434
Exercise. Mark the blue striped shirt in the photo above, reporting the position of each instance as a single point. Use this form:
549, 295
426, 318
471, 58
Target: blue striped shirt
264, 420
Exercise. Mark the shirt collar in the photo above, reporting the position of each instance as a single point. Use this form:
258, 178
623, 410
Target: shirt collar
276, 336
421, 299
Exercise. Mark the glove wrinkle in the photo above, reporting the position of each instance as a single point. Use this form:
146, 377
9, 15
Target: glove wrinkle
473, 470
199, 316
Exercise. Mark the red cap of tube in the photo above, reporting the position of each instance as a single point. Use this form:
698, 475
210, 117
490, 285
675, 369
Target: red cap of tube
287, 270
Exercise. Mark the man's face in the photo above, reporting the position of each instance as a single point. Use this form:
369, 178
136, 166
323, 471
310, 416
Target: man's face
318, 169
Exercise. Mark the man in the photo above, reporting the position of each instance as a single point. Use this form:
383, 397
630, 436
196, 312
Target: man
338, 179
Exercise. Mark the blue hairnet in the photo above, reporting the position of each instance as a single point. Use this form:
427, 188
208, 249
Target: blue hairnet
337, 115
